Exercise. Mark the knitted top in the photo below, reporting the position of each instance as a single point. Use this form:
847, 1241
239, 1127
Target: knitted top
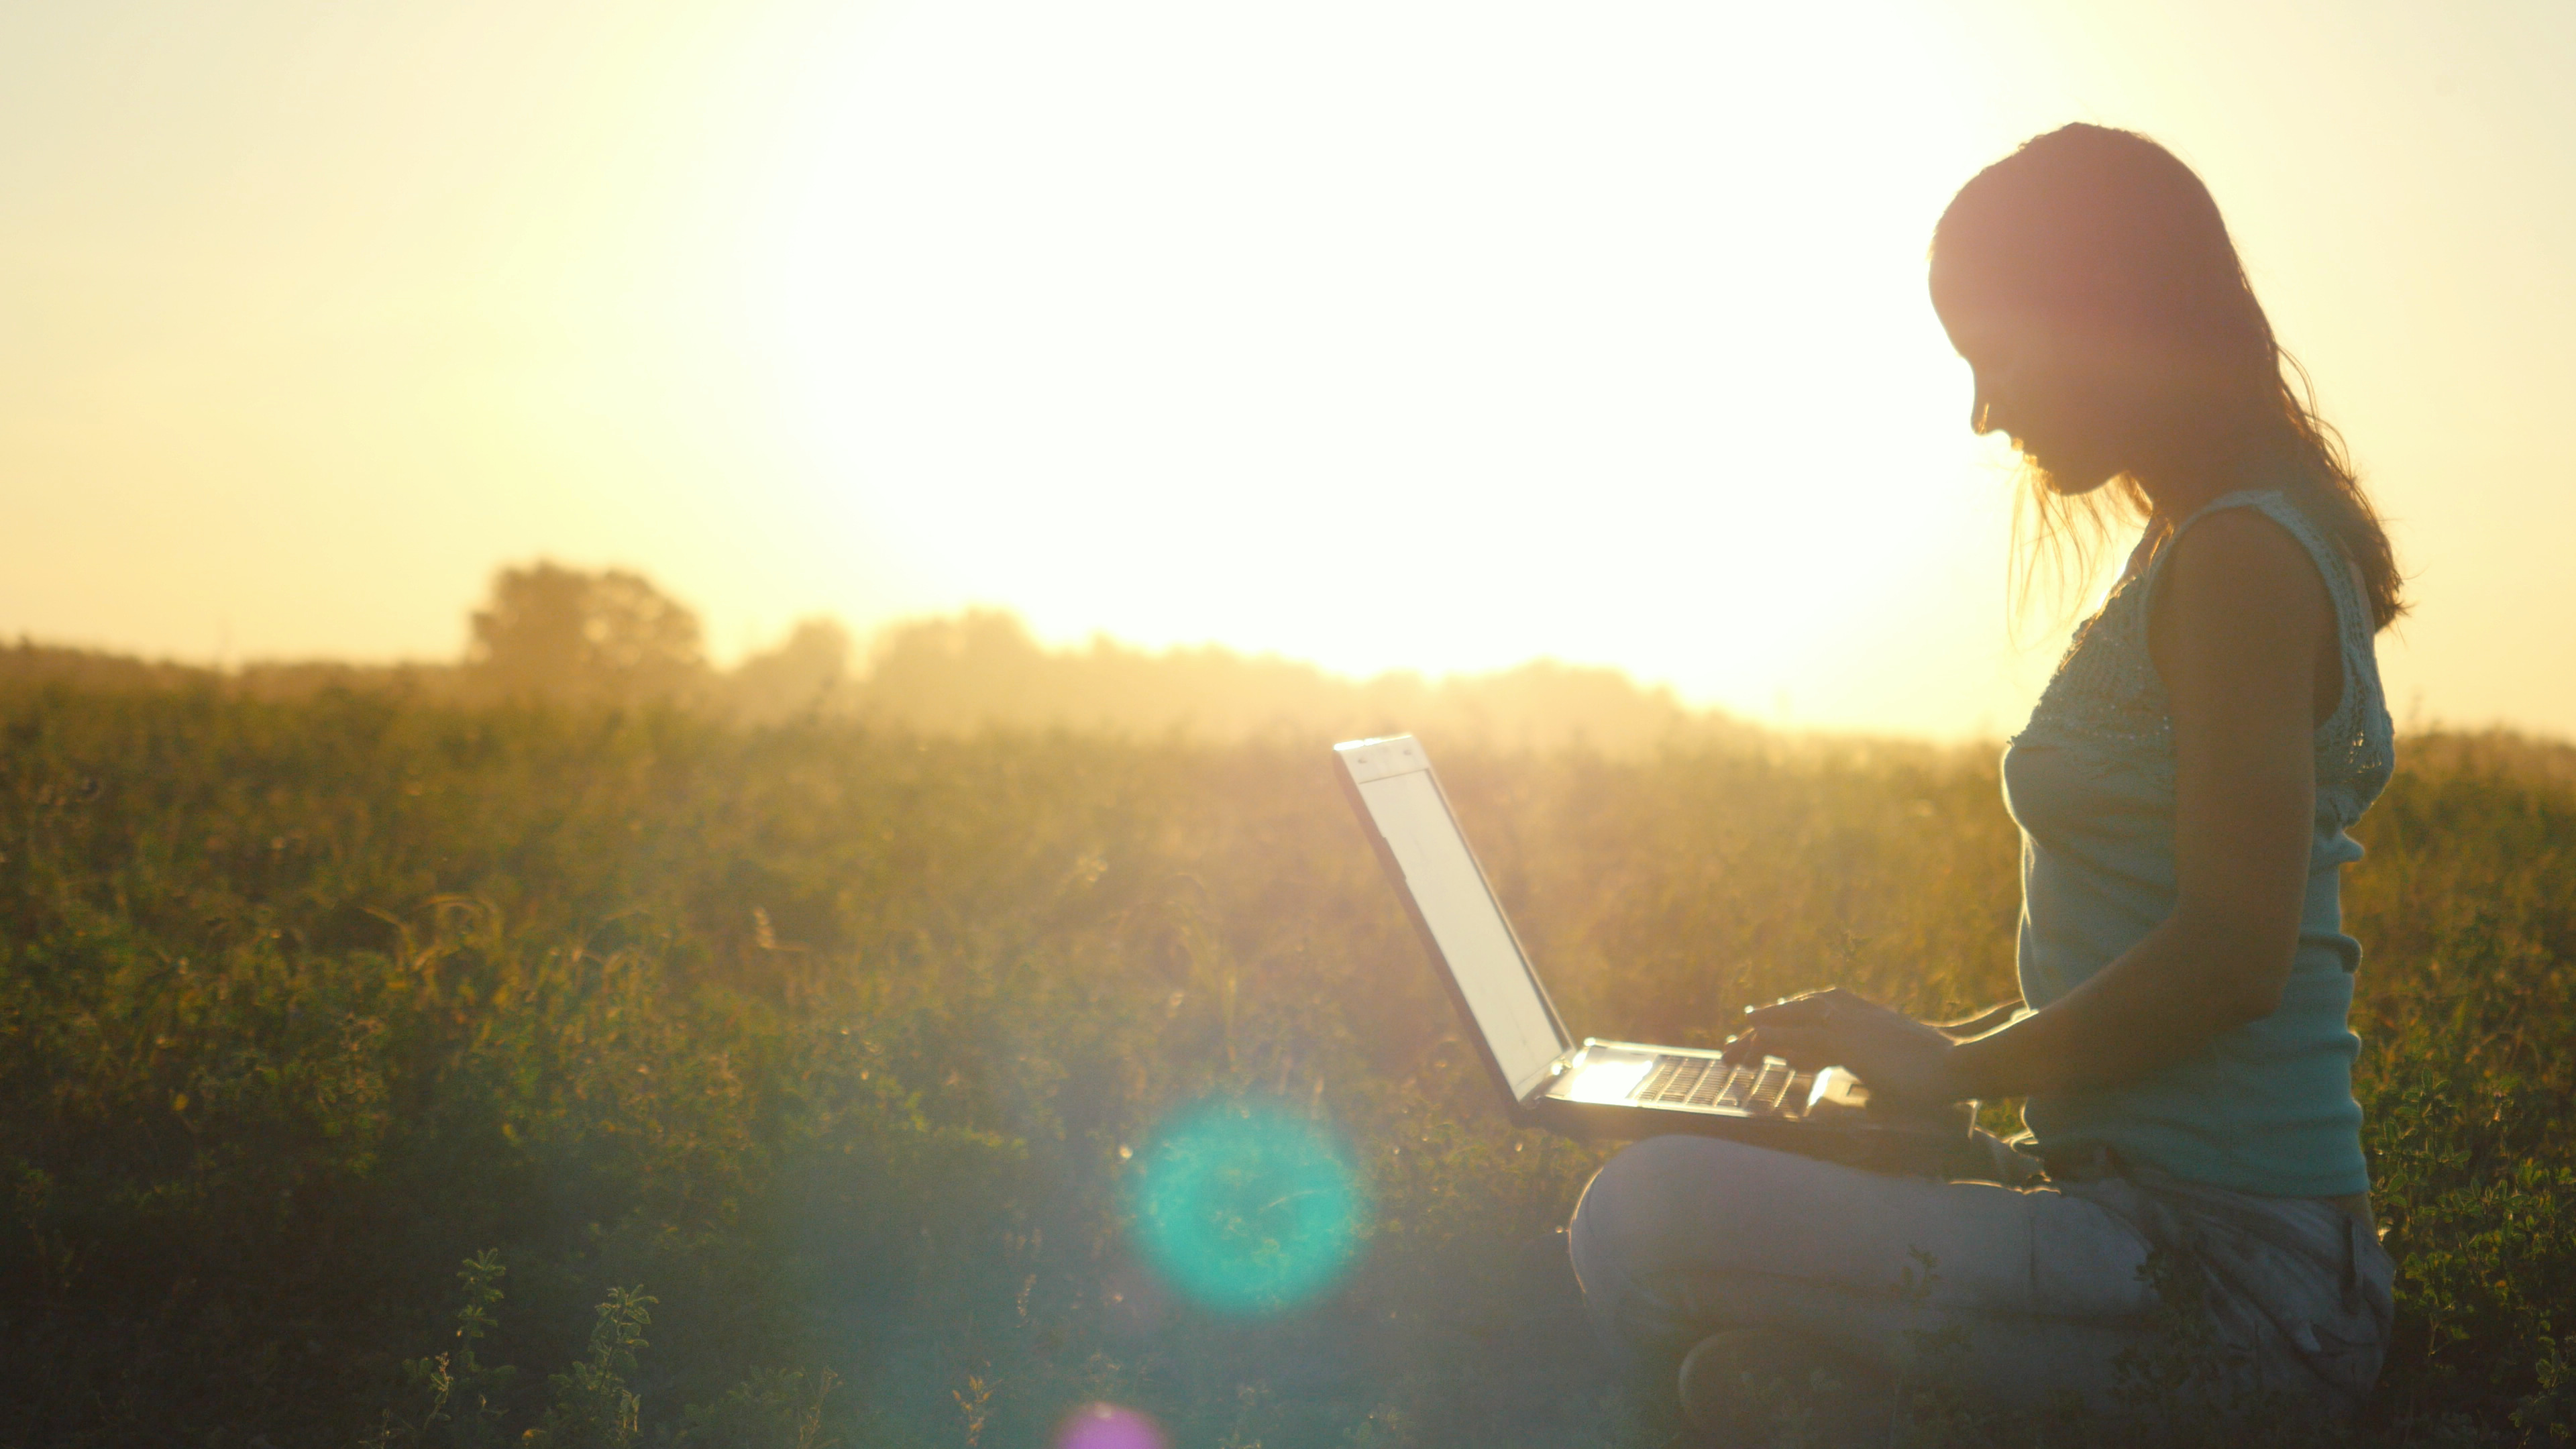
2266, 1107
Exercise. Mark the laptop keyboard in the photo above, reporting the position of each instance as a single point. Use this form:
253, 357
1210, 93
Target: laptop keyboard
1767, 1089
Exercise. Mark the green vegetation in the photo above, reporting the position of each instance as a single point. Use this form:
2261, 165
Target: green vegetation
383, 1069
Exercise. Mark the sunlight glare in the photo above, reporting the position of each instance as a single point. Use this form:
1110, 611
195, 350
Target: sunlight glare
1608, 1076
1436, 335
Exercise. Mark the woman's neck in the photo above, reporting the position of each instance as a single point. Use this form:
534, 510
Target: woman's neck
2198, 470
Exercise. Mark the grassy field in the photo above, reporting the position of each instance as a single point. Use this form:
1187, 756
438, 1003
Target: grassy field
381, 1071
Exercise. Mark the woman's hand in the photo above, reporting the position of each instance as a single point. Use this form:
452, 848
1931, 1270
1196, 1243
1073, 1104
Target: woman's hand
1894, 1055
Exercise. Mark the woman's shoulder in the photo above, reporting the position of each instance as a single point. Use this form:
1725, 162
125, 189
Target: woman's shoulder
2244, 545
2257, 549
2239, 583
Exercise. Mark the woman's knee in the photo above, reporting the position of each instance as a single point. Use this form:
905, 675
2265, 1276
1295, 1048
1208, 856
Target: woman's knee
1623, 1186
1656, 1234
1659, 1195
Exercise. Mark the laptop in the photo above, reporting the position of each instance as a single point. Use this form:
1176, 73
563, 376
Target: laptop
1596, 1088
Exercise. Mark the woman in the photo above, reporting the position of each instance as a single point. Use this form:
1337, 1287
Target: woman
2184, 788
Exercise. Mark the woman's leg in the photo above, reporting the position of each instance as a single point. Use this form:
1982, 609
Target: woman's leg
2014, 1296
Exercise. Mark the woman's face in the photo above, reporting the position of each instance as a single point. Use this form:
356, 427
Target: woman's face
2071, 404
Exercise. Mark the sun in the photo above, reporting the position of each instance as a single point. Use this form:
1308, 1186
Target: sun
1430, 336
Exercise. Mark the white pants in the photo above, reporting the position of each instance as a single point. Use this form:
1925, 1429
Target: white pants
1679, 1237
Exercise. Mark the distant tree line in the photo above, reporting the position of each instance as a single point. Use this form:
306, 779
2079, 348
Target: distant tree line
547, 633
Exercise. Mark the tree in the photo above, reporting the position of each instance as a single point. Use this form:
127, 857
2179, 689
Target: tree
550, 631
804, 674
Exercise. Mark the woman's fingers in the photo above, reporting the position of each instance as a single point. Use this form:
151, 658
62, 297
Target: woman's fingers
1804, 1048
1807, 1010
1816, 1029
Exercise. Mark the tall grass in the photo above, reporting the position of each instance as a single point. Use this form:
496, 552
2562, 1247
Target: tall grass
784, 1085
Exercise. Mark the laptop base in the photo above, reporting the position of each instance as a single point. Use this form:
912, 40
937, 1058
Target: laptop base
1820, 1115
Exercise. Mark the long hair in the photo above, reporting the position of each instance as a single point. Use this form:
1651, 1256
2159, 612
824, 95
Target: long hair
2106, 230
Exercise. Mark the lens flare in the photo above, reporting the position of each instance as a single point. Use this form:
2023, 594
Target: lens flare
1107, 1426
1247, 1210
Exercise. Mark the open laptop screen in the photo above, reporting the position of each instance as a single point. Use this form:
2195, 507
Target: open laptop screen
1466, 925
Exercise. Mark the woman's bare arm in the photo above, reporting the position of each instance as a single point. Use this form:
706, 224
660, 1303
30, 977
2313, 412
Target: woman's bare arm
2236, 634
2002, 1013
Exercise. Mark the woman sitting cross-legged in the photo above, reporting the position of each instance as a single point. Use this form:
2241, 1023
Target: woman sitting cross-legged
2184, 790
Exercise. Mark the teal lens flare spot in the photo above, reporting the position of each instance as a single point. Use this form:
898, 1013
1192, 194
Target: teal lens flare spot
1247, 1210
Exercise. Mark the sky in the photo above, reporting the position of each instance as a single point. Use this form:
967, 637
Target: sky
1415, 333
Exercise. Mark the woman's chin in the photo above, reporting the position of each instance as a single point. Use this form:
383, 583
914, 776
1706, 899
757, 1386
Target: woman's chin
2069, 482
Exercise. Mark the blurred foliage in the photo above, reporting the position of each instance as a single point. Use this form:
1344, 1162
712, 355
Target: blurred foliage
552, 634
983, 670
846, 1043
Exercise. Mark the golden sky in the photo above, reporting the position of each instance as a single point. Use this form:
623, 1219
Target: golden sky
1426, 333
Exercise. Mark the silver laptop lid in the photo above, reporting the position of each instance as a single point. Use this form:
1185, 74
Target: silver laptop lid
1456, 909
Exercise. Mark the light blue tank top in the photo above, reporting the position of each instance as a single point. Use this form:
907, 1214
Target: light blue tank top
2266, 1107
